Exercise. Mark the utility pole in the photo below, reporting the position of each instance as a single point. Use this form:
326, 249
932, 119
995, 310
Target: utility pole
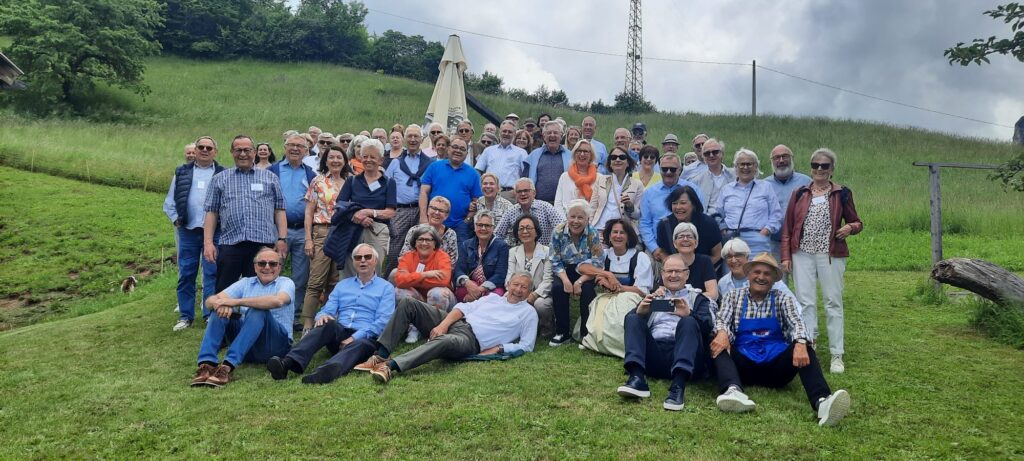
634, 43
753, 88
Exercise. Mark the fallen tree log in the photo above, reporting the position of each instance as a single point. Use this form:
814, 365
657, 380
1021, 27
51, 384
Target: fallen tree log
982, 277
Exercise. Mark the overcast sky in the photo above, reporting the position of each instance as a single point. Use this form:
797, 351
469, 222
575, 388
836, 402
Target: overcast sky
889, 49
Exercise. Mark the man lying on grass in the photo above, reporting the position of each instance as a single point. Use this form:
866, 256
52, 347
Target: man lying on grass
761, 340
485, 326
255, 314
355, 313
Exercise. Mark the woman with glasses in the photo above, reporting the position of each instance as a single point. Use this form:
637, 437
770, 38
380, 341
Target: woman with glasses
483, 262
685, 206
426, 273
685, 238
616, 195
573, 242
818, 220
529, 256
648, 174
578, 180
264, 156
320, 198
749, 208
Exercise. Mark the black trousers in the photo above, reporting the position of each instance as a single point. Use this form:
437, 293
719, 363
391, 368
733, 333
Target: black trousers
737, 369
661, 358
235, 261
330, 335
560, 300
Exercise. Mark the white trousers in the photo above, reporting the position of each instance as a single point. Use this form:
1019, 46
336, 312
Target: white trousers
808, 271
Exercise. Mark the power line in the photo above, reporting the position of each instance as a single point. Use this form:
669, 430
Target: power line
689, 61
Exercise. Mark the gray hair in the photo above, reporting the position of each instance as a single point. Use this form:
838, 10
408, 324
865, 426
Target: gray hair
417, 231
326, 135
484, 214
735, 246
445, 201
667, 156
529, 181
373, 250
529, 278
721, 144
749, 153
508, 122
578, 203
685, 228
552, 122
262, 250
413, 126
208, 138
827, 153
378, 130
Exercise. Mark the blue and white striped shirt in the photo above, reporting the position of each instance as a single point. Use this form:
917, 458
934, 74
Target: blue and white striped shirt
245, 202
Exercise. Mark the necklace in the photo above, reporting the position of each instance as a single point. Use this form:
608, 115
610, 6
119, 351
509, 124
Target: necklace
820, 190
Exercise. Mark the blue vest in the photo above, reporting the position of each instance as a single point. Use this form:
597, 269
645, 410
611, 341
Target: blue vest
183, 185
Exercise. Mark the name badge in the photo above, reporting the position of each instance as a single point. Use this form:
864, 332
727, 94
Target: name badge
256, 187
818, 200
201, 185
420, 267
374, 186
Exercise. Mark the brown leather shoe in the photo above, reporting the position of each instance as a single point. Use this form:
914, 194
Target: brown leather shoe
381, 373
220, 377
370, 363
202, 374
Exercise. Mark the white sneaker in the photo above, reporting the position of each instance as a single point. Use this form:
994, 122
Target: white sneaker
733, 400
177, 308
181, 325
834, 408
413, 335
837, 367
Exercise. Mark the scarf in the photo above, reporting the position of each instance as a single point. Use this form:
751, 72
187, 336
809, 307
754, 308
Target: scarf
584, 182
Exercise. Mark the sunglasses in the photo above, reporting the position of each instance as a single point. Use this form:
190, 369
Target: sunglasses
465, 130
821, 166
648, 156
617, 157
268, 263
713, 153
205, 148
531, 126
484, 226
669, 170
487, 142
324, 143
346, 141
363, 257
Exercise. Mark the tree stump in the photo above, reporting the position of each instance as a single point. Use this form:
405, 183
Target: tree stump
982, 277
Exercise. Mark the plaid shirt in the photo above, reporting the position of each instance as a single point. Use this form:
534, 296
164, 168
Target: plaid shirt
546, 214
728, 316
245, 202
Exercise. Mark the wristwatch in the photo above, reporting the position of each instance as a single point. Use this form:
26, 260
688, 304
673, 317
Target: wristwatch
282, 238
801, 341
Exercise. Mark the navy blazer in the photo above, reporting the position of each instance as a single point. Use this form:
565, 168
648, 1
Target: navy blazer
495, 261
344, 234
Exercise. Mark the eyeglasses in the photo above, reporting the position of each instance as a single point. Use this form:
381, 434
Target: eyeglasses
435, 132
247, 150
675, 271
821, 166
465, 130
745, 165
523, 191
484, 226
486, 142
696, 147
362, 257
617, 157
713, 153
272, 264
685, 237
736, 256
654, 156
439, 210
205, 148
782, 156
457, 148
425, 240
669, 170
346, 141
292, 145
531, 126
324, 142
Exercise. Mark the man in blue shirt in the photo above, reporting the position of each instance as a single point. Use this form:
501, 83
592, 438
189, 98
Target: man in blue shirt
254, 315
784, 180
406, 172
487, 326
456, 181
246, 206
184, 206
545, 165
588, 128
348, 324
295, 177
652, 205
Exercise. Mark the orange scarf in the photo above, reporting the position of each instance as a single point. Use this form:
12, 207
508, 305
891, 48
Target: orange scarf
584, 182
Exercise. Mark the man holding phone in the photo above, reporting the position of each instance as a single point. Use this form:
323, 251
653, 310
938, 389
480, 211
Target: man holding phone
666, 336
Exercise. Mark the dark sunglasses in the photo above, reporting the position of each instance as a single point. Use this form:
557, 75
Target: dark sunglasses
531, 126
346, 141
713, 153
487, 142
820, 166
465, 130
205, 148
618, 157
267, 263
669, 170
648, 155
362, 257
324, 142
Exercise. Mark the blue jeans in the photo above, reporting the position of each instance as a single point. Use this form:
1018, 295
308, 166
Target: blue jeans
255, 338
190, 257
464, 231
300, 264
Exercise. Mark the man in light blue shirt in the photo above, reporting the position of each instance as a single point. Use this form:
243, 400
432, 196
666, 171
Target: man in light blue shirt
347, 325
504, 160
406, 172
784, 180
652, 205
295, 177
254, 315
588, 128
487, 326
184, 207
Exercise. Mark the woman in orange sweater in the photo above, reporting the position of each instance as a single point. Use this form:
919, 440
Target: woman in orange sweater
426, 273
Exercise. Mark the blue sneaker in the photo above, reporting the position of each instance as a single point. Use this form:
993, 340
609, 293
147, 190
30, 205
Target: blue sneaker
674, 401
635, 388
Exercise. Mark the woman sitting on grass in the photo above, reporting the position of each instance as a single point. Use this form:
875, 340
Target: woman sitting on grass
425, 274
483, 262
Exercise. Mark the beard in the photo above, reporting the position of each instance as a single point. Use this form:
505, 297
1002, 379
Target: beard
783, 172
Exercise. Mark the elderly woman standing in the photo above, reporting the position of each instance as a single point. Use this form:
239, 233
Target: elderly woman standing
483, 262
533, 258
376, 194
749, 208
573, 242
323, 192
578, 180
426, 273
616, 195
702, 271
814, 248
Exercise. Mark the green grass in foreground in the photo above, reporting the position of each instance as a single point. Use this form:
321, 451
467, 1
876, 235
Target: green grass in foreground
113, 385
62, 240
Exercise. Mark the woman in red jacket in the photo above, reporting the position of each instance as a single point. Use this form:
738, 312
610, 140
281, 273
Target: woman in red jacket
425, 273
818, 220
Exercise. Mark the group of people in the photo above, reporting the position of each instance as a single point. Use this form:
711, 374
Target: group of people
479, 245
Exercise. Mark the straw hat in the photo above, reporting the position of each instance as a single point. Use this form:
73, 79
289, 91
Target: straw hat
768, 260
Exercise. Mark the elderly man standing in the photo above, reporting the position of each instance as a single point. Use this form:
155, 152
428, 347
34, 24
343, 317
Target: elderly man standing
588, 128
668, 344
254, 315
184, 206
653, 207
545, 165
347, 325
760, 339
504, 159
465, 132
295, 177
486, 326
407, 172
314, 133
715, 176
784, 180
670, 145
247, 207
323, 144
453, 179
699, 166
526, 199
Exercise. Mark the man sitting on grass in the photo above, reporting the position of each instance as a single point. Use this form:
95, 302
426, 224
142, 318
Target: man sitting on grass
260, 328
347, 325
760, 340
485, 326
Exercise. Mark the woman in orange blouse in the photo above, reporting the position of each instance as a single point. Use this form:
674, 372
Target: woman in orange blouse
323, 192
426, 273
